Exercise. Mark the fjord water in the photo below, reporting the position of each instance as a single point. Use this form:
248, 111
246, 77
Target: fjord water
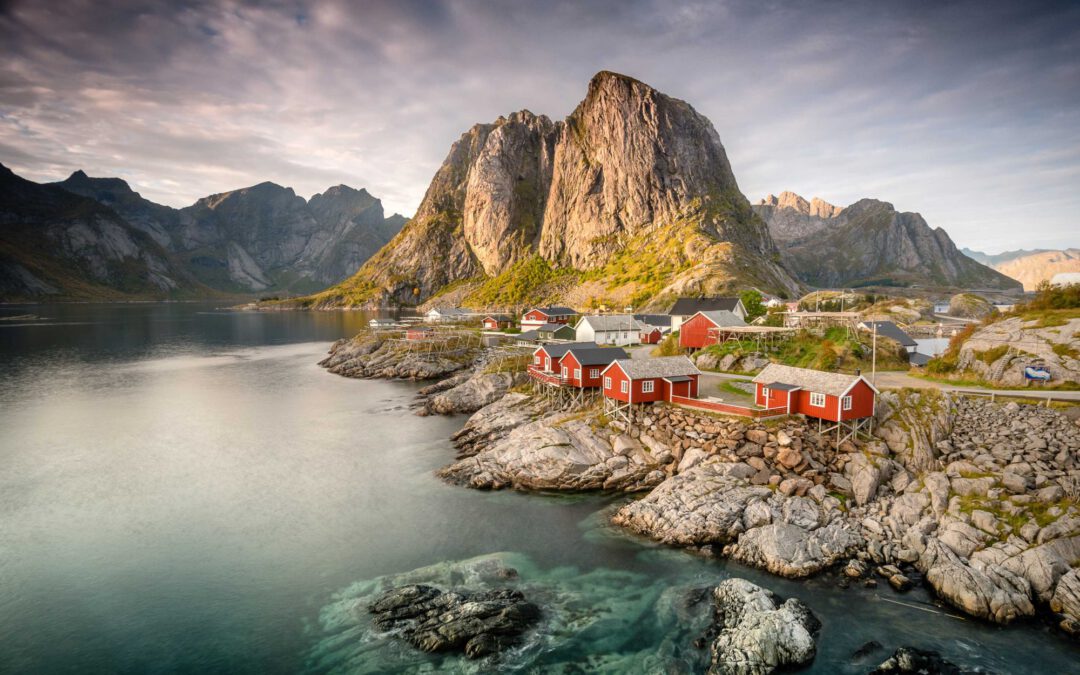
184, 490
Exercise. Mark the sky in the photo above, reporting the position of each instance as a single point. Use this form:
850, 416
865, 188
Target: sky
968, 112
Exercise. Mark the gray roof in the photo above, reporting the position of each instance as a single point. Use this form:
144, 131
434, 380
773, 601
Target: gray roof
782, 386
890, 330
597, 356
557, 349
606, 322
658, 320
530, 335
818, 381
499, 317
723, 318
664, 366
917, 359
552, 327
688, 306
553, 311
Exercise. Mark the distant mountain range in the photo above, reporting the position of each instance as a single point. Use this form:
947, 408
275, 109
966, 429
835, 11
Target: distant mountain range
868, 243
1030, 267
96, 238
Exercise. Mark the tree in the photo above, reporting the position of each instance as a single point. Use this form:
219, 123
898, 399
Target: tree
751, 300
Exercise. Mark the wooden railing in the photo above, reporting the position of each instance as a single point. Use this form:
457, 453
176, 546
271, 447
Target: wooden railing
547, 377
728, 408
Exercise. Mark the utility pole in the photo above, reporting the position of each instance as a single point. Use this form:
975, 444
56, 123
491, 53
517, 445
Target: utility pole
873, 358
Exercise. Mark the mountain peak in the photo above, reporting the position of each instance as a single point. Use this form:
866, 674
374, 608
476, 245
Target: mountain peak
816, 207
78, 174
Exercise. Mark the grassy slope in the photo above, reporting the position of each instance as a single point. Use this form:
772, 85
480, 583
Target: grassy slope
835, 352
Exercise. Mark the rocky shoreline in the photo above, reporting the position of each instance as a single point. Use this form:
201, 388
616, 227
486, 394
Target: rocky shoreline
983, 511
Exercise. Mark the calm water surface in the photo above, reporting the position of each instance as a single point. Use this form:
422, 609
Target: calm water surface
184, 490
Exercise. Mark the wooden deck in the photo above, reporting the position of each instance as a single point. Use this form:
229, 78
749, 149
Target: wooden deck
728, 408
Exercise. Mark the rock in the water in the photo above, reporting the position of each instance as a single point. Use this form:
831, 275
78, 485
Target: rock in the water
434, 620
757, 633
911, 660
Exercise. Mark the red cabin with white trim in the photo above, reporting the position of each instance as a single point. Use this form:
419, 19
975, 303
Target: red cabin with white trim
497, 322
415, 334
538, 316
835, 397
582, 367
702, 329
650, 380
650, 335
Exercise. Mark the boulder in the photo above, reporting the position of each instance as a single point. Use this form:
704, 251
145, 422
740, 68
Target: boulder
757, 634
911, 660
433, 620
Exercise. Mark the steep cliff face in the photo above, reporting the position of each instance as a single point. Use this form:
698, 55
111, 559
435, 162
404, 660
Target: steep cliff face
259, 238
58, 245
629, 199
869, 243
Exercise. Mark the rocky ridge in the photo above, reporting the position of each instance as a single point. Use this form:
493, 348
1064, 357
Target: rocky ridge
629, 171
869, 243
998, 352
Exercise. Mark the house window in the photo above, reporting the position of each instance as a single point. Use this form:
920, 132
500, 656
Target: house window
607, 383
817, 400
565, 372
594, 372
536, 359
845, 403
765, 392
647, 386
577, 373
625, 387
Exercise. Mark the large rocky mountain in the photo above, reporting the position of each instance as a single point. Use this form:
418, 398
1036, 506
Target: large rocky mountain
58, 245
1030, 267
869, 243
630, 199
261, 238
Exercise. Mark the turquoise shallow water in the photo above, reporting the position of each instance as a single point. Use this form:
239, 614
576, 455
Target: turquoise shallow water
184, 490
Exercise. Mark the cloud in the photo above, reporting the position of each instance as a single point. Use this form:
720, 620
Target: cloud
964, 111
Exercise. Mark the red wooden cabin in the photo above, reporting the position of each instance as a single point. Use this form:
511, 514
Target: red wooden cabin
650, 335
419, 333
497, 322
835, 397
583, 366
538, 316
651, 380
700, 330
547, 358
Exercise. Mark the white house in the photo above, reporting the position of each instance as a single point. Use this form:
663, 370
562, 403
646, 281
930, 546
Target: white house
447, 315
609, 329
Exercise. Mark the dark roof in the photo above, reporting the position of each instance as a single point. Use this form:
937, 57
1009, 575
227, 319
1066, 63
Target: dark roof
553, 311
555, 327
891, 330
782, 386
678, 378
530, 335
499, 317
597, 356
558, 349
658, 320
917, 359
689, 306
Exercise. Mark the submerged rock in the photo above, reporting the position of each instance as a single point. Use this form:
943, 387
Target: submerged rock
911, 660
433, 620
757, 634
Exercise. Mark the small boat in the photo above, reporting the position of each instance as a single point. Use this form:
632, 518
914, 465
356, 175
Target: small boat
1037, 372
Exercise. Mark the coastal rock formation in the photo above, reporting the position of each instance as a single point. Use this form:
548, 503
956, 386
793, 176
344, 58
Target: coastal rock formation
969, 306
986, 354
466, 392
911, 422
757, 634
912, 660
434, 620
869, 243
630, 175
366, 356
559, 452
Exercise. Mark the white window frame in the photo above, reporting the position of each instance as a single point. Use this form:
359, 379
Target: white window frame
817, 399
594, 373
845, 403
565, 371
625, 387
577, 373
607, 383
765, 393
536, 359
648, 387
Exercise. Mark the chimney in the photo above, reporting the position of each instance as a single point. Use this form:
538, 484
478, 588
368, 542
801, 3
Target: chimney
858, 371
